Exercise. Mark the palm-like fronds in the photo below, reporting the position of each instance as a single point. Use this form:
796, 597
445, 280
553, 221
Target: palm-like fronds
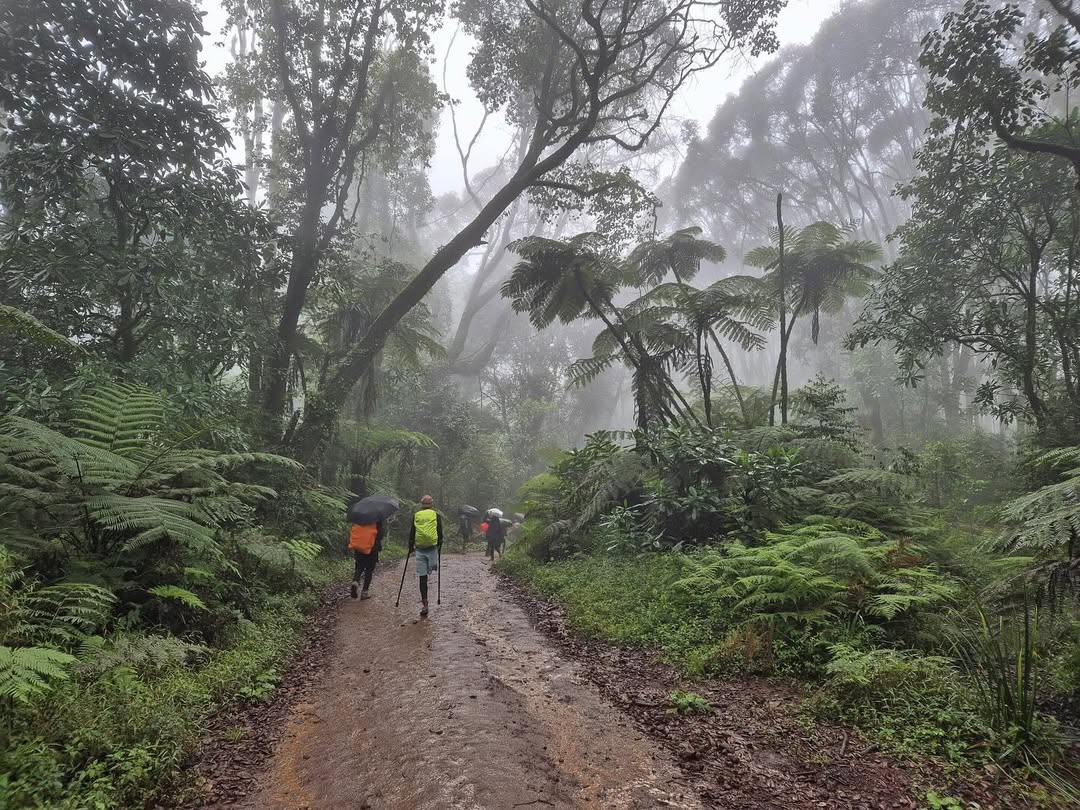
671, 327
680, 254
178, 594
118, 418
40, 627
562, 280
29, 671
823, 267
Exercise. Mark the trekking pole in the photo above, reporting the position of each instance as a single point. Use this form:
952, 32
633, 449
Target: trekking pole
438, 581
402, 585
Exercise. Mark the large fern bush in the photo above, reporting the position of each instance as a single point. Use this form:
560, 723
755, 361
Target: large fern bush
42, 628
822, 575
125, 500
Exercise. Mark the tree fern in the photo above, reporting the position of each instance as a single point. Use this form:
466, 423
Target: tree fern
124, 494
40, 628
35, 450
302, 549
146, 520
874, 480
59, 615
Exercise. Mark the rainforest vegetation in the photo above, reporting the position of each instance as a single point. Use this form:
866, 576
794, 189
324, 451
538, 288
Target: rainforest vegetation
789, 391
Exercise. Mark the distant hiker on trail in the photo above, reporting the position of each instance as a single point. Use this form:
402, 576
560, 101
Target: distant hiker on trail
465, 527
426, 540
496, 536
366, 543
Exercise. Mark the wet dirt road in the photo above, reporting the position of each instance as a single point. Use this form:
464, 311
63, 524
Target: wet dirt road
469, 708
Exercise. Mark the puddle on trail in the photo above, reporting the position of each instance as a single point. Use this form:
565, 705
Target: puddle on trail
470, 708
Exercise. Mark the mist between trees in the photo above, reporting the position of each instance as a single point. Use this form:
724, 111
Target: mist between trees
820, 357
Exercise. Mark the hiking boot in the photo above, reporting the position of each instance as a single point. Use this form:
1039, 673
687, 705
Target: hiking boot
364, 594
352, 590
423, 610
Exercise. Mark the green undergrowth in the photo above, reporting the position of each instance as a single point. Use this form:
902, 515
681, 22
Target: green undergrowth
119, 735
913, 703
632, 601
392, 551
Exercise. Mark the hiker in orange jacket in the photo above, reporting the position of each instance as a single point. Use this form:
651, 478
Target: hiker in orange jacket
366, 543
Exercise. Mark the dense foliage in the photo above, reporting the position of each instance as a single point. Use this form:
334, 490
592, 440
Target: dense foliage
798, 396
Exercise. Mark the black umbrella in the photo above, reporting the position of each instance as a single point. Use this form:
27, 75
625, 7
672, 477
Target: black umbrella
468, 510
373, 509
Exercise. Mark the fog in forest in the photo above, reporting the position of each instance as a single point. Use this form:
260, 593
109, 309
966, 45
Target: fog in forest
748, 331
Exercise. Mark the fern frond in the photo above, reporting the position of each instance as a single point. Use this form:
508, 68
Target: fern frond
584, 371
303, 549
178, 594
119, 417
151, 519
26, 672
147, 655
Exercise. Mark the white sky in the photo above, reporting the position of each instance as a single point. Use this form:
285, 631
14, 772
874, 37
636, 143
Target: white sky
798, 23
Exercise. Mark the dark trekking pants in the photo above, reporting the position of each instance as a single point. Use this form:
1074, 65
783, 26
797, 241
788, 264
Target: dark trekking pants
365, 566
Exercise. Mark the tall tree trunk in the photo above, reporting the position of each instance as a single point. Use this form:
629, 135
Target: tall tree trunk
704, 375
782, 363
950, 397
872, 403
127, 345
734, 380
253, 153
1029, 363
277, 122
302, 268
479, 297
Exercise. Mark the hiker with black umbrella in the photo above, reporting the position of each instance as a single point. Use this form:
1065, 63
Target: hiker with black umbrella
366, 536
426, 540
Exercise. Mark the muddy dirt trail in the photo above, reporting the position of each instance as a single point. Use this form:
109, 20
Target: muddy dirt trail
469, 708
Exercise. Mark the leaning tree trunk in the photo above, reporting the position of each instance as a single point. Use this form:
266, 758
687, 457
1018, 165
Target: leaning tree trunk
322, 409
734, 380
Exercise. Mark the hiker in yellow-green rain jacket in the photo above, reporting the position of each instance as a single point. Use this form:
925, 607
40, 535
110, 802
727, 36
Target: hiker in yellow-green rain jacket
426, 540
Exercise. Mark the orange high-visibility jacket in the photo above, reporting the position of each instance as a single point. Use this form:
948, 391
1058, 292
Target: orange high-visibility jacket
362, 538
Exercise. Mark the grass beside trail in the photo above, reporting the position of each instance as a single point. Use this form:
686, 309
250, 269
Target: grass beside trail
122, 737
632, 601
913, 710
